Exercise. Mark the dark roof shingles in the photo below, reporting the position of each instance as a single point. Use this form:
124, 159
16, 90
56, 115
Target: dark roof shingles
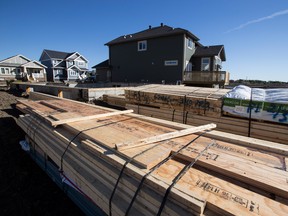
152, 33
58, 54
210, 51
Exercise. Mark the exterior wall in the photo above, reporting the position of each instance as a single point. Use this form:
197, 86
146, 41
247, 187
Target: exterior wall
131, 65
78, 64
188, 53
102, 75
49, 70
49, 73
7, 73
197, 63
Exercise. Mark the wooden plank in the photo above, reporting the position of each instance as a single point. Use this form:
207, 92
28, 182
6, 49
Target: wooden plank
83, 118
162, 137
75, 158
254, 172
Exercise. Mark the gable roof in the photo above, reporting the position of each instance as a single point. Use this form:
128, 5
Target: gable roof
17, 60
103, 64
57, 54
14, 57
203, 51
33, 62
160, 31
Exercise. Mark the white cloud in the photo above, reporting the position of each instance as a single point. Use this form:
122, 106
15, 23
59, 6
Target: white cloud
279, 13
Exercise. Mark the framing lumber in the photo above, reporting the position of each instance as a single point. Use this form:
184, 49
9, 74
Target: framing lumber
83, 118
236, 175
162, 137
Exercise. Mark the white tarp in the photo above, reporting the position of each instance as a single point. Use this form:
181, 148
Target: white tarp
279, 95
257, 103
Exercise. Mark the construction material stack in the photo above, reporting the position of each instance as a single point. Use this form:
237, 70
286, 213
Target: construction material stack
135, 165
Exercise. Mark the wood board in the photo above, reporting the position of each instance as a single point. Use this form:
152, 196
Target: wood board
137, 127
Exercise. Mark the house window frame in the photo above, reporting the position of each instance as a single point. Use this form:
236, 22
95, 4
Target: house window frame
81, 63
7, 71
73, 73
203, 64
190, 43
217, 61
59, 71
142, 45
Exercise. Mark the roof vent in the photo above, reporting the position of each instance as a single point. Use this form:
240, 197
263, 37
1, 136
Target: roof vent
161, 24
150, 26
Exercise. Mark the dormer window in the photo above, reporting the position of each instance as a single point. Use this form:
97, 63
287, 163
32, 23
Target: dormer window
142, 45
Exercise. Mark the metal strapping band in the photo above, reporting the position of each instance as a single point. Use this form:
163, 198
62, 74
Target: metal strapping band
180, 175
156, 167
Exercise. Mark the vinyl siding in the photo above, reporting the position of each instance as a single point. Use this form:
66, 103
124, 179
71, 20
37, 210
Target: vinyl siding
131, 65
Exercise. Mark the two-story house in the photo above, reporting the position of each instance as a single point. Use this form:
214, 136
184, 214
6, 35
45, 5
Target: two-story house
165, 54
22, 68
63, 66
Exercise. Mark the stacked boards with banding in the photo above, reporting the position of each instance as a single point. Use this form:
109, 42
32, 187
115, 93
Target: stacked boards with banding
136, 165
202, 106
196, 100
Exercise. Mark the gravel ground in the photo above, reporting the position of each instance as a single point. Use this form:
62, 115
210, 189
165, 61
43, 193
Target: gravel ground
25, 189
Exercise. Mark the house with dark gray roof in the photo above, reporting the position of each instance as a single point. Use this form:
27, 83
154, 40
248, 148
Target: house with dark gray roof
165, 54
103, 73
22, 68
63, 66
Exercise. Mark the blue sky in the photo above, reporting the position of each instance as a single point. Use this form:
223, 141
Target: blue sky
254, 32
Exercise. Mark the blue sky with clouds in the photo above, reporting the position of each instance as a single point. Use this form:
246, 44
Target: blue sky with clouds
254, 32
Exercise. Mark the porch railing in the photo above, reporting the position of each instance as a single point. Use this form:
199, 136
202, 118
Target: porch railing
206, 77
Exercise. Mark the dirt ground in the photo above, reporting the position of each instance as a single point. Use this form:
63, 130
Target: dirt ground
25, 189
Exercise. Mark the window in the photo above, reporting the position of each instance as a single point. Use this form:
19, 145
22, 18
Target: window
142, 45
205, 64
217, 63
80, 63
2, 71
18, 71
7, 71
59, 72
55, 62
73, 73
190, 43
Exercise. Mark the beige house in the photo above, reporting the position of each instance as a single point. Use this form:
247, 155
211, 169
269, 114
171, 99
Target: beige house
21, 68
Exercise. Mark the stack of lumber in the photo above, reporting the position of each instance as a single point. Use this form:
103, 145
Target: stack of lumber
114, 100
136, 165
202, 106
196, 100
241, 126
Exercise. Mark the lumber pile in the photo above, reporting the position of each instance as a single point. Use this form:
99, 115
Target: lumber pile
114, 100
195, 106
196, 100
241, 126
137, 165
